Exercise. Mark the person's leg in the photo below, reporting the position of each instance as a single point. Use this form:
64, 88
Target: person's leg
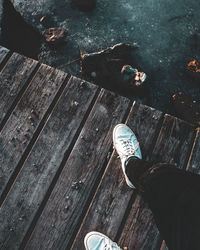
173, 196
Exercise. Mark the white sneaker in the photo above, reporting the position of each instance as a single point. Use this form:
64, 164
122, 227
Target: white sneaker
127, 146
98, 241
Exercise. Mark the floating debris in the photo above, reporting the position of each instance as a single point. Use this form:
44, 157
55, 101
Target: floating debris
186, 109
193, 66
193, 69
43, 19
83, 5
132, 76
54, 36
68, 63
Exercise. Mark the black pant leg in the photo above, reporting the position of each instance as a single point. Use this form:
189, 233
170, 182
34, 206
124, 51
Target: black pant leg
173, 196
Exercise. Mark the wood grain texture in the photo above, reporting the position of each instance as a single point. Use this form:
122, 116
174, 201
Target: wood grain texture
3, 54
25, 120
173, 146
38, 172
80, 176
13, 79
111, 201
145, 122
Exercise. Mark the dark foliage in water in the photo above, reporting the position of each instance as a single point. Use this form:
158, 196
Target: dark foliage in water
17, 35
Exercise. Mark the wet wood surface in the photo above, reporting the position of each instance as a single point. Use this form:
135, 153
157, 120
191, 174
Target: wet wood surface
18, 133
59, 176
44, 162
80, 175
14, 78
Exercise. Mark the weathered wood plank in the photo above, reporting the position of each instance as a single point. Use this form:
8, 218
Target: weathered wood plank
193, 164
13, 79
194, 161
173, 146
80, 176
24, 122
44, 163
3, 54
111, 201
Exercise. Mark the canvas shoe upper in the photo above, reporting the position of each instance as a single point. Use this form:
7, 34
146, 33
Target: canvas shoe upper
127, 146
98, 241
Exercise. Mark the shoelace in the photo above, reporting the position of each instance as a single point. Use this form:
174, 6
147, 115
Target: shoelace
109, 245
128, 146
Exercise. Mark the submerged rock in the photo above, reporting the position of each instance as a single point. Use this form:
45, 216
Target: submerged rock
186, 109
106, 63
111, 68
54, 36
43, 19
132, 76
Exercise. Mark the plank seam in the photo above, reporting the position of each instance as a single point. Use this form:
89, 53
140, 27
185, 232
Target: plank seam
121, 227
96, 187
33, 140
89, 201
57, 175
18, 97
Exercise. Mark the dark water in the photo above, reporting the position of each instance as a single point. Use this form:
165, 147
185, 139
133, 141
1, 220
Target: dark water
17, 35
167, 32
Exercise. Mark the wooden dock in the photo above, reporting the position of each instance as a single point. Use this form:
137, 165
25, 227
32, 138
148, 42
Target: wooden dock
59, 175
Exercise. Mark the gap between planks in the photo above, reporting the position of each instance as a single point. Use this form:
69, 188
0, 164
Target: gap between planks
98, 183
84, 163
62, 124
18, 97
33, 140
16, 76
66, 155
